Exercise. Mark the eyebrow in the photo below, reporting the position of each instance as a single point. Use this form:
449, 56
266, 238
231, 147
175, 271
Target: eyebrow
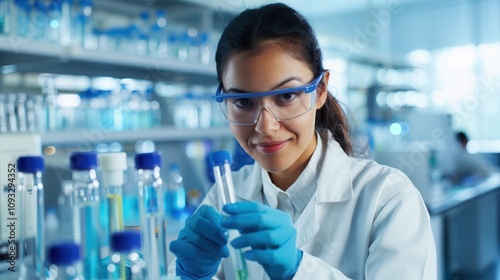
284, 82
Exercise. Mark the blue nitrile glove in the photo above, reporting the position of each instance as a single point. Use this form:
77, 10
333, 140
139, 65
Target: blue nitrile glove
270, 234
201, 245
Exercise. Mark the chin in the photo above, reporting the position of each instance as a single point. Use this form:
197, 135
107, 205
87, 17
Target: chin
274, 164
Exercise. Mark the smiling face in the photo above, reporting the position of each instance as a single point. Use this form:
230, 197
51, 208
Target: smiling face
281, 148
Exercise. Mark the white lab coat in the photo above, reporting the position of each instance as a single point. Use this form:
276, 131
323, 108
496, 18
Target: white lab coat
365, 221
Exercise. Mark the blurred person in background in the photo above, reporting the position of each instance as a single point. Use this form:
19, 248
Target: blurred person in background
469, 167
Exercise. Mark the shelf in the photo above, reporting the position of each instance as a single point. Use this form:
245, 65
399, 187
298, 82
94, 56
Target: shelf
165, 134
382, 61
386, 88
22, 55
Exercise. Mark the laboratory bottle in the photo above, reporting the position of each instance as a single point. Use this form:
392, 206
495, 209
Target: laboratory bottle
175, 196
64, 261
194, 49
31, 217
119, 99
65, 35
23, 16
86, 98
155, 114
86, 198
3, 114
30, 115
126, 256
141, 33
134, 108
221, 164
21, 112
54, 17
158, 36
205, 49
51, 107
153, 223
112, 166
11, 113
184, 43
39, 20
83, 26
130, 201
145, 119
5, 14
173, 46
65, 209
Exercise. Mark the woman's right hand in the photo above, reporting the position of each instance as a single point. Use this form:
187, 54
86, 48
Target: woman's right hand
201, 245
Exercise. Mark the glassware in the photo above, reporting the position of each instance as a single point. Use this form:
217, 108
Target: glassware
153, 223
31, 217
86, 197
220, 162
175, 196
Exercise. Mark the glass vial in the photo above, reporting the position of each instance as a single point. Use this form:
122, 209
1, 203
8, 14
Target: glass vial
112, 166
175, 202
153, 223
221, 165
31, 217
86, 211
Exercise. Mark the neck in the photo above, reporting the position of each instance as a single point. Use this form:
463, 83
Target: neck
286, 178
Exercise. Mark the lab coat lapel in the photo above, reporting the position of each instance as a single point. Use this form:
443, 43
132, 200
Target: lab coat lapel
338, 187
329, 190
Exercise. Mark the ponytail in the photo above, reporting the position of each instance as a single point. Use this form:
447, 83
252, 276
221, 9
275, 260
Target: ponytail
331, 117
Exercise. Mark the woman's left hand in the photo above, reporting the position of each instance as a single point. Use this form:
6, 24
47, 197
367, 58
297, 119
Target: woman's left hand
269, 232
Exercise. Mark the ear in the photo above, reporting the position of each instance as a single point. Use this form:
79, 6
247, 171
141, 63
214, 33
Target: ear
322, 90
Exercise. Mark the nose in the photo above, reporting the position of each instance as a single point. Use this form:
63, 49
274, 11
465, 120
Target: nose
267, 122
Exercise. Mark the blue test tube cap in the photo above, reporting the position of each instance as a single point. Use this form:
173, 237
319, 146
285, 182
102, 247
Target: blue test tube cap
126, 241
30, 164
83, 160
64, 253
220, 157
147, 161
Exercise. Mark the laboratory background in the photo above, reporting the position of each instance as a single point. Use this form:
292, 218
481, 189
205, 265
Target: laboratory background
116, 90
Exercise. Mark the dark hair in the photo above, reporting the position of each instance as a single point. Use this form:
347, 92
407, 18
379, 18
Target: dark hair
282, 26
462, 137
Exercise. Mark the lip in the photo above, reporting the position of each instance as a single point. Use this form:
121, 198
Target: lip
271, 147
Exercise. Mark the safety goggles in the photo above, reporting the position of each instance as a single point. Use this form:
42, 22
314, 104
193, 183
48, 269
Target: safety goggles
283, 104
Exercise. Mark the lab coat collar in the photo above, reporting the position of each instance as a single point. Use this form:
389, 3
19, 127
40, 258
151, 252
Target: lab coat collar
335, 177
334, 185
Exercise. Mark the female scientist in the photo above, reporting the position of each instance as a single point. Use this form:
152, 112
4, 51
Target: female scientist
306, 209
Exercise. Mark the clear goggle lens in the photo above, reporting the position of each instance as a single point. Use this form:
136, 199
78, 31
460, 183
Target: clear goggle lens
283, 107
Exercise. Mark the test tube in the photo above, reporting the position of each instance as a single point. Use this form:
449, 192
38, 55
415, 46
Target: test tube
220, 161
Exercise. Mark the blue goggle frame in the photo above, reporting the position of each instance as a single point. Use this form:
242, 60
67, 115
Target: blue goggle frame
308, 88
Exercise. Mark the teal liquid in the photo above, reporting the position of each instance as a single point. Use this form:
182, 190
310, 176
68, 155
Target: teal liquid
90, 241
131, 215
175, 203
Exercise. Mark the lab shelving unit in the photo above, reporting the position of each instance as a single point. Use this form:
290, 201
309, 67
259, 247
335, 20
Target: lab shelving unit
24, 56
